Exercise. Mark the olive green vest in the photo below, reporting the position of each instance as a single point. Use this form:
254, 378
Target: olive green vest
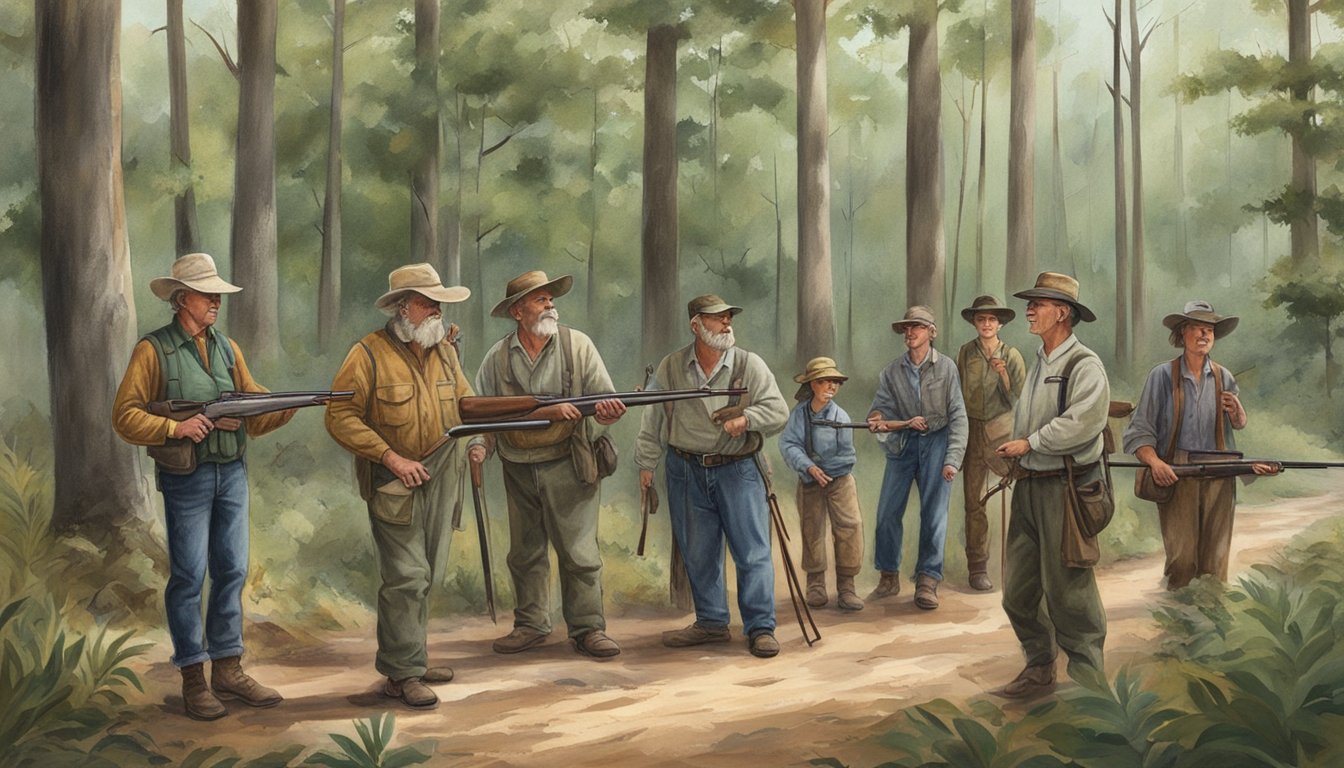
185, 378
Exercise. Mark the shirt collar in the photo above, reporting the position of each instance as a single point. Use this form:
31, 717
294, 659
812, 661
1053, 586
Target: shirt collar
929, 359
725, 360
1059, 351
1204, 372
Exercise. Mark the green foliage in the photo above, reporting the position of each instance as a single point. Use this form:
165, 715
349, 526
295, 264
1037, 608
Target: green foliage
375, 736
944, 735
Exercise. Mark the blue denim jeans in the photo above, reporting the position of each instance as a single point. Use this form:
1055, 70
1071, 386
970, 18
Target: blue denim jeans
921, 464
707, 505
206, 516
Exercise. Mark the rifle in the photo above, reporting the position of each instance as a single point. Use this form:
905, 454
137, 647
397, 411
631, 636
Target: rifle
482, 410
841, 424
800, 607
483, 533
242, 404
1229, 464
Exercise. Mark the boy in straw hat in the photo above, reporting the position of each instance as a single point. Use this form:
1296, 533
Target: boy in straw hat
992, 374
824, 457
206, 511
1197, 517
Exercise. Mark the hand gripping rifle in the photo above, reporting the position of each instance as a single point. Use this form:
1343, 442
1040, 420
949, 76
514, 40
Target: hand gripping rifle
242, 404
481, 415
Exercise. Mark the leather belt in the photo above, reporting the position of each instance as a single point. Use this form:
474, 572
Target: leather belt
1031, 474
709, 460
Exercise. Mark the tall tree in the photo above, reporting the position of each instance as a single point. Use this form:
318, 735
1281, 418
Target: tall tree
1302, 226
329, 281
816, 310
425, 171
187, 231
1021, 267
659, 275
1185, 269
1122, 350
86, 269
1137, 42
254, 313
925, 244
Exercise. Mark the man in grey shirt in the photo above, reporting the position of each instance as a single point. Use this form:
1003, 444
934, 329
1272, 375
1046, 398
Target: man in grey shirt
715, 491
1047, 600
548, 501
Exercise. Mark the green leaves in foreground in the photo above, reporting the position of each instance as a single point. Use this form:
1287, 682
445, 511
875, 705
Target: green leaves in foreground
372, 752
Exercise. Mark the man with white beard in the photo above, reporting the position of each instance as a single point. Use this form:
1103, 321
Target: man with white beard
407, 381
550, 475
715, 490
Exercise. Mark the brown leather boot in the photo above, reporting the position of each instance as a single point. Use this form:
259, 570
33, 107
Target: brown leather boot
889, 585
846, 597
199, 702
816, 589
231, 682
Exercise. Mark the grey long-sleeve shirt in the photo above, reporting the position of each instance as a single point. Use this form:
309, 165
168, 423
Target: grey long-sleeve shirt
1151, 424
1077, 431
938, 399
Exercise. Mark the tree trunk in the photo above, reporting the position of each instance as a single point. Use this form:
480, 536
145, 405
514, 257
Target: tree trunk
980, 285
1021, 266
329, 282
86, 268
452, 226
1305, 238
253, 312
1122, 352
188, 233
659, 286
1060, 209
425, 173
1185, 269
779, 262
961, 187
1138, 313
591, 313
924, 239
816, 311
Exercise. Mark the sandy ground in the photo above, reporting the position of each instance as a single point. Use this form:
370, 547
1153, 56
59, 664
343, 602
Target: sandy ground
714, 705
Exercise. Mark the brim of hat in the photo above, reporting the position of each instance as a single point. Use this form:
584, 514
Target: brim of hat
447, 294
163, 287
558, 287
1004, 314
718, 309
899, 325
1045, 293
825, 373
1221, 325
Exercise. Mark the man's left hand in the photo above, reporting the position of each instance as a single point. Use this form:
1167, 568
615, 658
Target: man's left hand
1014, 448
228, 424
609, 411
735, 427
949, 472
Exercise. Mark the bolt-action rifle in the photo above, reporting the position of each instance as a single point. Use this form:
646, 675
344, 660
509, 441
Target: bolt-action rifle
1229, 464
483, 414
242, 404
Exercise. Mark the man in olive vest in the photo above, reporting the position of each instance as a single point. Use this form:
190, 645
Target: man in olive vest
407, 381
206, 509
549, 475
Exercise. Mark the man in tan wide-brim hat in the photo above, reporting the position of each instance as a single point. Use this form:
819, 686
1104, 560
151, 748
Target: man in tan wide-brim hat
206, 509
824, 459
992, 374
407, 382
1051, 599
551, 476
1196, 513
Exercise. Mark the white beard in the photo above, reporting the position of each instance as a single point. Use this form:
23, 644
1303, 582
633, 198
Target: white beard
721, 341
427, 334
547, 325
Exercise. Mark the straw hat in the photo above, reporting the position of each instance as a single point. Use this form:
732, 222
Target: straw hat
817, 368
526, 283
1053, 285
422, 279
1202, 312
194, 271
988, 304
916, 315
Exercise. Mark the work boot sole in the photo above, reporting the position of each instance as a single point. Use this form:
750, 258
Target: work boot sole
205, 716
685, 643
257, 703
532, 643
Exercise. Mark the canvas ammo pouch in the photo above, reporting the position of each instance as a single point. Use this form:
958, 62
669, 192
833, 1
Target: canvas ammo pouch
1091, 499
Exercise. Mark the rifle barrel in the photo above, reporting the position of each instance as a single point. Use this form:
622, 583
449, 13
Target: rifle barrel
840, 424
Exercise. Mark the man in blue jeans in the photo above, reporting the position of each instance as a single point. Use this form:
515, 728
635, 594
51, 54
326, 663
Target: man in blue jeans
205, 508
920, 419
715, 492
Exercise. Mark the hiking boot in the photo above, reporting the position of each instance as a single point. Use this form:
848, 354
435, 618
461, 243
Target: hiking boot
437, 675
412, 691
695, 634
846, 597
764, 645
1031, 682
199, 702
887, 586
926, 592
229, 681
816, 589
980, 581
596, 644
519, 640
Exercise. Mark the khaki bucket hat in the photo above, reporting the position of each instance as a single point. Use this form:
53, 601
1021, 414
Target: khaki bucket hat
526, 283
817, 368
422, 279
1053, 285
194, 271
988, 304
1202, 312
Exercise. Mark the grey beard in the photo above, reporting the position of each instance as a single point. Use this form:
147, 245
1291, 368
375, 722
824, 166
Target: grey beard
427, 334
722, 341
547, 325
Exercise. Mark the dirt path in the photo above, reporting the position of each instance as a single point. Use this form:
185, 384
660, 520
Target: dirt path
715, 706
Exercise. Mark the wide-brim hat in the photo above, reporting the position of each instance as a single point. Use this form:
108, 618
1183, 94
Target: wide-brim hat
709, 304
422, 279
988, 304
526, 283
817, 368
1053, 285
1202, 312
916, 315
194, 271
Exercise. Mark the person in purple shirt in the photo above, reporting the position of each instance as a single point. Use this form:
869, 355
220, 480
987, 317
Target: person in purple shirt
824, 457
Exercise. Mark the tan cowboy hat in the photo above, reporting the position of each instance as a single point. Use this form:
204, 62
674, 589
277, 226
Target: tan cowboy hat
194, 271
817, 368
1202, 312
916, 315
422, 279
526, 283
991, 305
1053, 285
709, 304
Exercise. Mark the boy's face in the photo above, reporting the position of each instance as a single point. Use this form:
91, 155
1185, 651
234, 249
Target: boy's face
823, 390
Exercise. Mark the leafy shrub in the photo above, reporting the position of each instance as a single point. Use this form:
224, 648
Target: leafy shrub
372, 751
